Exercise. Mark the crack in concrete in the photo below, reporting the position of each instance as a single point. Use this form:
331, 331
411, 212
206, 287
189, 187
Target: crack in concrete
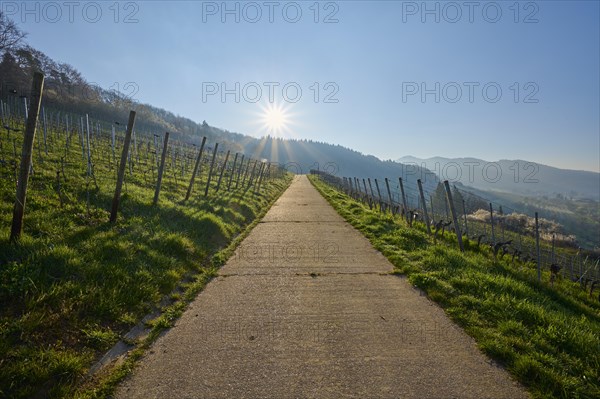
303, 221
314, 274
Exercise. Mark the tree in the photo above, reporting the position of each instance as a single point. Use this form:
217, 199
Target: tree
10, 34
14, 79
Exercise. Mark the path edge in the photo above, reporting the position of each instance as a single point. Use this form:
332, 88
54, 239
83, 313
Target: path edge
120, 361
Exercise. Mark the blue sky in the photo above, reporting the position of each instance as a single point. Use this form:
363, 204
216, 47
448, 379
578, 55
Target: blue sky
373, 59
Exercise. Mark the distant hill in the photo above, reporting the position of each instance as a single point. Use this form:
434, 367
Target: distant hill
514, 176
569, 197
341, 161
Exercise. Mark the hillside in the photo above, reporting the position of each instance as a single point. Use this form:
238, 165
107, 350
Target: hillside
569, 197
516, 176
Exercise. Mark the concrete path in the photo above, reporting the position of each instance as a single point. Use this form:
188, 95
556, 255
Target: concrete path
306, 309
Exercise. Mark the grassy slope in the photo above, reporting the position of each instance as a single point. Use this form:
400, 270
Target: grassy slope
75, 284
548, 338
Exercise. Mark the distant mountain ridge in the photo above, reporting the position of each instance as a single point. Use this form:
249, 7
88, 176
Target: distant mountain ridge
513, 176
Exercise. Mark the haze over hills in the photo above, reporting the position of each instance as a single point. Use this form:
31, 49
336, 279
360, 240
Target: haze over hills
513, 176
569, 197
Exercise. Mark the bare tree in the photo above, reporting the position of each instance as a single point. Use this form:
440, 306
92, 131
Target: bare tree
10, 34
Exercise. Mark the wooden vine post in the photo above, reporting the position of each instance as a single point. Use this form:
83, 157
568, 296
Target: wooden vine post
424, 205
454, 217
371, 189
492, 223
122, 166
161, 169
387, 184
232, 171
239, 173
259, 177
404, 201
246, 172
196, 167
210, 171
252, 173
37, 88
367, 194
222, 171
379, 196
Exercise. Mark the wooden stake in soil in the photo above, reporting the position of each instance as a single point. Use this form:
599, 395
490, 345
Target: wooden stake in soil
260, 179
196, 166
381, 208
252, 173
212, 165
112, 143
122, 166
232, 171
387, 184
371, 188
492, 223
424, 205
89, 151
369, 198
454, 218
45, 131
432, 210
239, 173
161, 168
404, 200
222, 171
37, 88
246, 172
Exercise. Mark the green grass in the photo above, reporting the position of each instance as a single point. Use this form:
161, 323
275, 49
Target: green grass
575, 263
75, 284
547, 337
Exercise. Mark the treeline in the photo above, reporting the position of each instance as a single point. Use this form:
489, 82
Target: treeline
67, 90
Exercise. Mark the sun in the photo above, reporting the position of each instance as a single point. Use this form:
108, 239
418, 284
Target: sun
275, 119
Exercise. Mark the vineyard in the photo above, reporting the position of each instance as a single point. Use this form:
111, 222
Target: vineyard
535, 242
73, 283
